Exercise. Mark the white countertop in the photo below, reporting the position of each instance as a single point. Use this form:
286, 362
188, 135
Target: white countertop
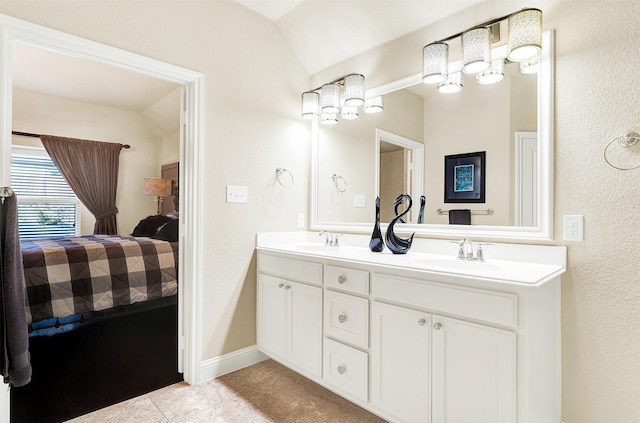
531, 265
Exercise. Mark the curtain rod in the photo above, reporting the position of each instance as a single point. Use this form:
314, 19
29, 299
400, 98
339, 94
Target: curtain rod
29, 134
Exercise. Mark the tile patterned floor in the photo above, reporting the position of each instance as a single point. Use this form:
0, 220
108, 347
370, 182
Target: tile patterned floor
263, 393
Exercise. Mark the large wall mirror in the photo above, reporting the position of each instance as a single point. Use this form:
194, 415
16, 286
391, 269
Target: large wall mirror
403, 150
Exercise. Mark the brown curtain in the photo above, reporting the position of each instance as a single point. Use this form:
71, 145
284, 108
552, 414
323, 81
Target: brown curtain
91, 170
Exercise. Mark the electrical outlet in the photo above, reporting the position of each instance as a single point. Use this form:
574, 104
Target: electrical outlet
300, 220
573, 228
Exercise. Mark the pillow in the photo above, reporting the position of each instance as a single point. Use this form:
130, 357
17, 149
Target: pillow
149, 225
168, 231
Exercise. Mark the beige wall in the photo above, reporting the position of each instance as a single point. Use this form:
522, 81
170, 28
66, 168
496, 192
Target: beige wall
44, 114
251, 126
596, 99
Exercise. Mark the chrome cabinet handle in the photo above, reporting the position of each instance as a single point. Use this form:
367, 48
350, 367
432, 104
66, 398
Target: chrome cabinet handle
422, 322
341, 279
280, 285
341, 369
342, 318
437, 326
287, 287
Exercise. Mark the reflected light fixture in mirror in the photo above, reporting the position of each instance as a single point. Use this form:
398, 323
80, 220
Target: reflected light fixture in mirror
341, 97
476, 50
330, 98
492, 75
452, 85
435, 57
374, 105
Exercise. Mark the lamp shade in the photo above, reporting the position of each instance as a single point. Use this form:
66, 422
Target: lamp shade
453, 84
434, 62
310, 105
329, 118
476, 50
525, 34
492, 75
330, 98
530, 66
373, 105
157, 186
349, 112
354, 90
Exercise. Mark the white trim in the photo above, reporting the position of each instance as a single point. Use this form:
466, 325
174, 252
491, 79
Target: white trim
544, 230
227, 363
11, 30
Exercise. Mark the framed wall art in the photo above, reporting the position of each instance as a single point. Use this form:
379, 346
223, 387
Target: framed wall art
464, 178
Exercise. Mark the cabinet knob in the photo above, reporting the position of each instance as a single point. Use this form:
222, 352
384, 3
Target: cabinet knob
422, 322
287, 287
341, 279
341, 369
280, 285
437, 325
342, 318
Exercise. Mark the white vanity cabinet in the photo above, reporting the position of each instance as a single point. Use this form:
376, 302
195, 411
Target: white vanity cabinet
414, 344
290, 313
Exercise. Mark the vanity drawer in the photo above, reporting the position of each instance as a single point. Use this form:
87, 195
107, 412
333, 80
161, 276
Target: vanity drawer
345, 369
489, 306
286, 268
346, 318
346, 279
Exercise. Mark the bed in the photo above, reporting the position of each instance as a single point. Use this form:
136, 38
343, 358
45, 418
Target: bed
71, 276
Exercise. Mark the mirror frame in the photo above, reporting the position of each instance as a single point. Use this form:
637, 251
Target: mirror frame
542, 232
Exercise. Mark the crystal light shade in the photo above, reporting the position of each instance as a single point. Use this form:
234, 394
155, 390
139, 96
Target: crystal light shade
453, 84
330, 98
476, 50
310, 104
373, 105
492, 75
434, 62
525, 34
349, 112
329, 118
354, 90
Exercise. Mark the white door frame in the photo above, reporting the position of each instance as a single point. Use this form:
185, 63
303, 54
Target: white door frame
526, 206
190, 263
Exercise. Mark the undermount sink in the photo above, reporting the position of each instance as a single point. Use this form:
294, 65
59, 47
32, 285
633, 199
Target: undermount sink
314, 247
454, 264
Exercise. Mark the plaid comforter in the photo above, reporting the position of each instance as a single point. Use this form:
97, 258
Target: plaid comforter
90, 273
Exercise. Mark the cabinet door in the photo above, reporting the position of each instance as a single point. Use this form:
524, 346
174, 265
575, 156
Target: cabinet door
401, 362
473, 373
272, 317
304, 344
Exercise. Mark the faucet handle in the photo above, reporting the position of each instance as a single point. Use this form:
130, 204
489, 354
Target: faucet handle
480, 252
460, 243
336, 243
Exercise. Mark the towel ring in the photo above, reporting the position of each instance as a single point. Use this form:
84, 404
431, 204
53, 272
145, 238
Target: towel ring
279, 176
626, 140
339, 182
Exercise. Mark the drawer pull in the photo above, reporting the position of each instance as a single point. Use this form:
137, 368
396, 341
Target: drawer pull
422, 322
341, 279
280, 285
437, 326
341, 369
287, 287
342, 318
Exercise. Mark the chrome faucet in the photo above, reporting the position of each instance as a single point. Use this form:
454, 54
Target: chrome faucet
465, 251
331, 239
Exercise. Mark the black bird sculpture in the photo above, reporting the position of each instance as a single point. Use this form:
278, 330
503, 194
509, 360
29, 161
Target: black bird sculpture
396, 244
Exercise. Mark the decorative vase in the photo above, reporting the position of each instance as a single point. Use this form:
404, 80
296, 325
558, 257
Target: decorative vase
376, 244
396, 244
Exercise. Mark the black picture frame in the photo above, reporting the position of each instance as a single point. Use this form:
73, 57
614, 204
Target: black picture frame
464, 178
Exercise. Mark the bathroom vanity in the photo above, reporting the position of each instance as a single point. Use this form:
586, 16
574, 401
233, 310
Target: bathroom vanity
421, 337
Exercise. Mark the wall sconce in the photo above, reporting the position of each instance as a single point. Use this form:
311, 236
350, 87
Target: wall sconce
524, 44
158, 187
325, 102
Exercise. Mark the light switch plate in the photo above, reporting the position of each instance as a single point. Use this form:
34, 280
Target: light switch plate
237, 194
359, 200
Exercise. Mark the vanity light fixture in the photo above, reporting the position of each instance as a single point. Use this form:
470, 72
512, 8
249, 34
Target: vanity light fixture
341, 97
478, 57
492, 75
476, 50
453, 84
373, 105
529, 67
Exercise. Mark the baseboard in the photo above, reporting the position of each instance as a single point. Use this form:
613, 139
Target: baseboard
227, 363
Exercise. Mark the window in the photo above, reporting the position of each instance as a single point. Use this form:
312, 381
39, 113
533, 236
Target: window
47, 207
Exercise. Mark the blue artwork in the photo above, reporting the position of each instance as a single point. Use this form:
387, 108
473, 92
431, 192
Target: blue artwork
463, 178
